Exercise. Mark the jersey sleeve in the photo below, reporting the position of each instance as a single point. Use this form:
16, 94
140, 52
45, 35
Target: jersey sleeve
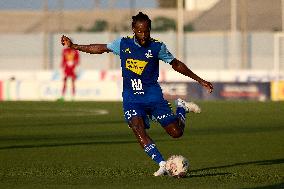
165, 55
115, 46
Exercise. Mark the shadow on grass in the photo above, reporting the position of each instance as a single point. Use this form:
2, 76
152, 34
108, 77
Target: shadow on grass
262, 162
60, 144
236, 130
66, 144
63, 123
275, 186
206, 174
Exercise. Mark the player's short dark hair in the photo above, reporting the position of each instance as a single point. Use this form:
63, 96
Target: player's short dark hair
141, 17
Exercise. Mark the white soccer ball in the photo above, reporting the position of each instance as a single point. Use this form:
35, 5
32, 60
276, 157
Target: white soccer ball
177, 166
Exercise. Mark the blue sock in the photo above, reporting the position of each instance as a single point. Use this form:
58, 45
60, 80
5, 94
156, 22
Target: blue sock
153, 152
180, 112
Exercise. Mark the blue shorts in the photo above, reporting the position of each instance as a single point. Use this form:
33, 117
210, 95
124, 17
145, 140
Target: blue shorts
161, 111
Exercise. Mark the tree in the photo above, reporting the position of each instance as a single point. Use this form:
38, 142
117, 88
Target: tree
80, 29
188, 27
168, 3
98, 26
163, 24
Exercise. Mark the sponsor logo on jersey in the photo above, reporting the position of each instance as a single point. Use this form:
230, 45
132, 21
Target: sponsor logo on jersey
137, 86
127, 51
149, 54
70, 56
136, 66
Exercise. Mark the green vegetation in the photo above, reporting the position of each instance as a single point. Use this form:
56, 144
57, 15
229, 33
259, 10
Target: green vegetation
161, 24
98, 26
69, 145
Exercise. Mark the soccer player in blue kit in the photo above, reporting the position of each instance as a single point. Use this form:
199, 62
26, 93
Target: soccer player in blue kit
142, 94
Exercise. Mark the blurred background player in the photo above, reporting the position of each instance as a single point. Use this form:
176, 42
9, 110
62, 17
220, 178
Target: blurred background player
70, 61
142, 94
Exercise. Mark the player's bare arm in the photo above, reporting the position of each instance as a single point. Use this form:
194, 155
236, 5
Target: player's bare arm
92, 48
183, 69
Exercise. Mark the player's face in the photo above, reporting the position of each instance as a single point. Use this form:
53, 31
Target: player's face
142, 32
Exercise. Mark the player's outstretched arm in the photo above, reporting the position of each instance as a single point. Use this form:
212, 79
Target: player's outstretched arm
92, 48
183, 69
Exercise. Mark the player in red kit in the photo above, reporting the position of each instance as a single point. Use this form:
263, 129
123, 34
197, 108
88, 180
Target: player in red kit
70, 60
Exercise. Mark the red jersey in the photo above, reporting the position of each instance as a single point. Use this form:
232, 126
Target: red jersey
70, 60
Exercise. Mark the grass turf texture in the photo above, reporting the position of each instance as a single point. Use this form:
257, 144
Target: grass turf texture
69, 145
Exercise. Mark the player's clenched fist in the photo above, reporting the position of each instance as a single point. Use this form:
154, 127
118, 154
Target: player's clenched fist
65, 41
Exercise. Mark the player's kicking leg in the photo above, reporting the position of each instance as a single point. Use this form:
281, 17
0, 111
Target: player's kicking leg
162, 169
175, 127
137, 124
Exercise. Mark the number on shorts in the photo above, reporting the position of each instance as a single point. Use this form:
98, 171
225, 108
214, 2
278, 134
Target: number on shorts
130, 113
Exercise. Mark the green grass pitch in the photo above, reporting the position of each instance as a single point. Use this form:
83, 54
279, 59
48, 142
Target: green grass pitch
76, 145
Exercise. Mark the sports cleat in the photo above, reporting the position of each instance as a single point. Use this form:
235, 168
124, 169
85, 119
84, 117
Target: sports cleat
188, 106
162, 170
